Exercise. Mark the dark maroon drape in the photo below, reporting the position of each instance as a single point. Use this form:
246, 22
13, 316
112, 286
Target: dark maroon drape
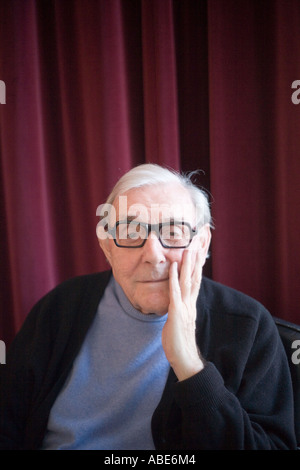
94, 87
254, 57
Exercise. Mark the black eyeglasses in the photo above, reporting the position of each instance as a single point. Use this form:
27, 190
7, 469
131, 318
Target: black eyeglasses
133, 234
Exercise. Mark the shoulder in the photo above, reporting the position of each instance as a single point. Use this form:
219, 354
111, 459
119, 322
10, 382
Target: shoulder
76, 288
73, 300
226, 305
235, 326
215, 295
78, 285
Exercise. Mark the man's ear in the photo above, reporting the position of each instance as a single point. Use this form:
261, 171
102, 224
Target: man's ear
204, 242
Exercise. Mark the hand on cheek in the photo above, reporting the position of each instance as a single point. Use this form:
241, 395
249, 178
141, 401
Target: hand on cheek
178, 336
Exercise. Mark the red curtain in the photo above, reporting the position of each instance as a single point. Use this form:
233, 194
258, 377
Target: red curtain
94, 87
254, 57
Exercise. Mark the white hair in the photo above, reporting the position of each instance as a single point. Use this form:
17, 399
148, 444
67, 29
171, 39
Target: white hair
152, 174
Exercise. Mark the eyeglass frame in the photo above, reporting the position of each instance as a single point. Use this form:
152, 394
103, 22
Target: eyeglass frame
153, 228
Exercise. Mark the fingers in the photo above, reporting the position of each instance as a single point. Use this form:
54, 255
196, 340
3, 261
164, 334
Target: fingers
197, 276
180, 286
174, 287
190, 274
185, 279
186, 286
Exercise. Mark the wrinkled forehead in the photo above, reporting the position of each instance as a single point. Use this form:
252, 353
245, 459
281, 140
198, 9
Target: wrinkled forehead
156, 203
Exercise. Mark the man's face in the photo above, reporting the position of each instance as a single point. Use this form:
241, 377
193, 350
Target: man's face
143, 273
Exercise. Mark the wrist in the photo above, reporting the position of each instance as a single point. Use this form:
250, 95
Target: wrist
185, 371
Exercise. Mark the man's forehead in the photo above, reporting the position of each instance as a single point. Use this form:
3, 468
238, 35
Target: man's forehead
155, 204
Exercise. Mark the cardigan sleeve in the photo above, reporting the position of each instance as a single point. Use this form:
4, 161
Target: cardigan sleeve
258, 414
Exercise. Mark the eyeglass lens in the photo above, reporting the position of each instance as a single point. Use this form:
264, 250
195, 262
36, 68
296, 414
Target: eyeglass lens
134, 233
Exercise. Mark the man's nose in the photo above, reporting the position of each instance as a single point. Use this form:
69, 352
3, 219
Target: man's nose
153, 251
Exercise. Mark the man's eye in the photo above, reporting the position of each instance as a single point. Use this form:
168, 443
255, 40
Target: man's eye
172, 232
123, 231
133, 235
134, 231
175, 233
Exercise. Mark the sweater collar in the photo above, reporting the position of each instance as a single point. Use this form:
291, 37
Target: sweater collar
129, 309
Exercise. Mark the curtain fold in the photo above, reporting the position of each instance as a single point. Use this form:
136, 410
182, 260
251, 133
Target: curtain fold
254, 141
95, 87
160, 84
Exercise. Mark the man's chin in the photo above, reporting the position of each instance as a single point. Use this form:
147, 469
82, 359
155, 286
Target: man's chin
156, 308
149, 300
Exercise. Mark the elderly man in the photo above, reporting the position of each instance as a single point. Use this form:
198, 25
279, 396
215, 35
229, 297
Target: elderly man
150, 354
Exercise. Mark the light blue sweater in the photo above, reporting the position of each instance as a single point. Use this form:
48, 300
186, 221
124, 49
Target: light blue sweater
116, 381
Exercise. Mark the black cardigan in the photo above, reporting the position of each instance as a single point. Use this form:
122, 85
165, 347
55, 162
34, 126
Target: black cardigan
242, 399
